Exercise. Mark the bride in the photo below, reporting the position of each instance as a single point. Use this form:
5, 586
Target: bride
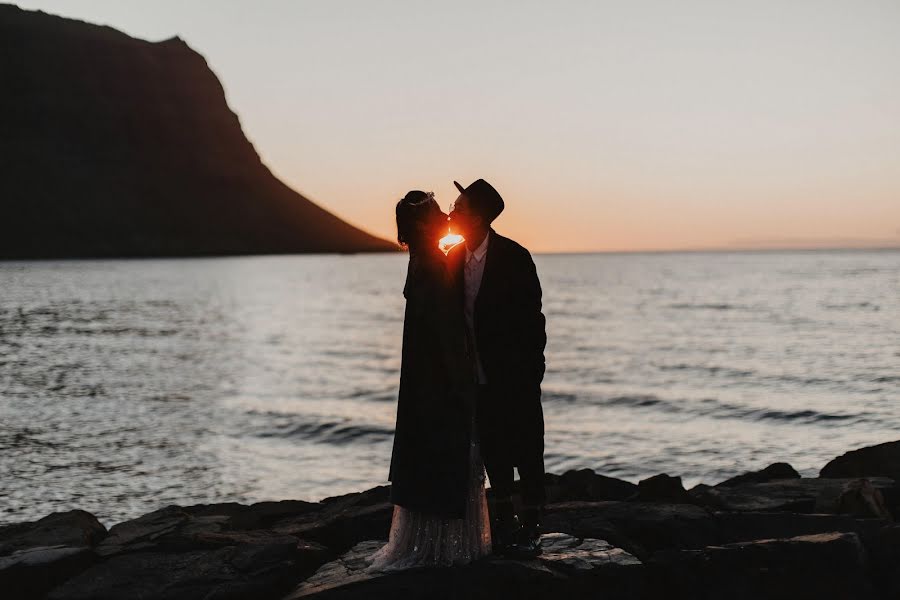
440, 513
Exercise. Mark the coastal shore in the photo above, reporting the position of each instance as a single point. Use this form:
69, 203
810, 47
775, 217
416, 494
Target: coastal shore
764, 534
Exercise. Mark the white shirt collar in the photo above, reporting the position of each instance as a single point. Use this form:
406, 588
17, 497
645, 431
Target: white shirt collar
480, 251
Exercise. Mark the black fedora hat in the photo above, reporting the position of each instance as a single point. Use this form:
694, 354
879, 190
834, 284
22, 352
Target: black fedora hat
486, 200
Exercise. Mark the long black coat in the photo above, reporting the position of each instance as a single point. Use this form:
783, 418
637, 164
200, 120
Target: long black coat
510, 336
430, 458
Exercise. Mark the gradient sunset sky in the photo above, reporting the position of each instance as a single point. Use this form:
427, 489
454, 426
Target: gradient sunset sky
604, 125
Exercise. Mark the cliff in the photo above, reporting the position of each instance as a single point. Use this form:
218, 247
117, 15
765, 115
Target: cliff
114, 146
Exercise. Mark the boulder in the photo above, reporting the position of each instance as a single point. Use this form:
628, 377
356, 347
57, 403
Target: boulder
662, 488
168, 528
235, 571
178, 528
75, 528
640, 528
826, 565
207, 551
563, 551
569, 567
882, 460
255, 516
228, 550
790, 495
343, 521
857, 497
748, 526
884, 556
773, 472
36, 556
585, 484
32, 572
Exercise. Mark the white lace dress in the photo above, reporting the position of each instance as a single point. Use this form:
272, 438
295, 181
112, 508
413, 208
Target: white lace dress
420, 540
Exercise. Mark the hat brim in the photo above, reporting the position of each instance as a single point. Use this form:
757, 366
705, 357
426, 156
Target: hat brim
461, 189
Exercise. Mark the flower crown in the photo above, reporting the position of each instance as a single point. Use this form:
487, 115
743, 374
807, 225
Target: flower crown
429, 197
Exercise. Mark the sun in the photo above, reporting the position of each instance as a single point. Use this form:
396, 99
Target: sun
449, 241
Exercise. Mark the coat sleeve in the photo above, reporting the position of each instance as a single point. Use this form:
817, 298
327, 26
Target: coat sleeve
532, 322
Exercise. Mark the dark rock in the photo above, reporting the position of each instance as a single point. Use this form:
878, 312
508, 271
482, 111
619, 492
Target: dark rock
343, 521
827, 565
790, 495
662, 488
180, 528
114, 146
32, 572
562, 550
639, 528
585, 484
254, 516
370, 497
882, 460
204, 551
74, 528
857, 497
36, 556
569, 568
264, 550
263, 514
244, 571
345, 571
747, 526
772, 472
165, 529
884, 556
228, 549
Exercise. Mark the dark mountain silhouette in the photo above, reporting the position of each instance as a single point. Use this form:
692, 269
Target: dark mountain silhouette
114, 146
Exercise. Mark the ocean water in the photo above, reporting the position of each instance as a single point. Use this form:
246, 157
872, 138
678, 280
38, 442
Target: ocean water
128, 385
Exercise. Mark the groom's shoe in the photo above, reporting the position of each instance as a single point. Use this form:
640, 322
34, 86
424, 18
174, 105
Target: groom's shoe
504, 528
528, 543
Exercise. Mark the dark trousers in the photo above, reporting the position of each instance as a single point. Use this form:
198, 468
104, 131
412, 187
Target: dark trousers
509, 440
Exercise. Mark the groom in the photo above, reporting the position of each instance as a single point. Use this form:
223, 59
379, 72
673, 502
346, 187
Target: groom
501, 296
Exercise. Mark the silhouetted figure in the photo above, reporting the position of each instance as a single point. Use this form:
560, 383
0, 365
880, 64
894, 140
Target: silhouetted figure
440, 515
497, 285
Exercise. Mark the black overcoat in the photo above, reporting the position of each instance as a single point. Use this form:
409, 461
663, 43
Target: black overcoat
510, 337
430, 458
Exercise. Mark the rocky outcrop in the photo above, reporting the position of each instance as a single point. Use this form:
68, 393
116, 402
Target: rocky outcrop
882, 460
662, 488
641, 528
772, 538
789, 495
568, 568
114, 146
585, 484
825, 565
36, 556
773, 472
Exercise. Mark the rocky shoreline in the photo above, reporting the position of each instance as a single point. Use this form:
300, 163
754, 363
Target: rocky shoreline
766, 534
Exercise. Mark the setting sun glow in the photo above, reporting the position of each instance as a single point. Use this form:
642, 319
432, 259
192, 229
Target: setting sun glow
448, 241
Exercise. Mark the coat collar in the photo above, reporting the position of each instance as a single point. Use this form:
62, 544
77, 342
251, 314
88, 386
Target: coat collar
490, 265
481, 250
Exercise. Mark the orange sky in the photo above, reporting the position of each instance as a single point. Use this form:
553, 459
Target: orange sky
605, 125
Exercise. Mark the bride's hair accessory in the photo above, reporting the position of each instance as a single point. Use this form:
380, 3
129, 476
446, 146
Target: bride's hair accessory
412, 209
426, 197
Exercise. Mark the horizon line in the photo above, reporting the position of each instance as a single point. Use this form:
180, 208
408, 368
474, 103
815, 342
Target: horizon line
726, 249
712, 250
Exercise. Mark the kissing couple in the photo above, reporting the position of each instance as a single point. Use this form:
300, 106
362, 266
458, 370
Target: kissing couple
470, 389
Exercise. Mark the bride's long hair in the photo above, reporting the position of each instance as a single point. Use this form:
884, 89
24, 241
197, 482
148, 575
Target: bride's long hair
413, 211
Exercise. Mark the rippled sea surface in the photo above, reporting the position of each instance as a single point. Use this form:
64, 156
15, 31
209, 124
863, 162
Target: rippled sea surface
127, 385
